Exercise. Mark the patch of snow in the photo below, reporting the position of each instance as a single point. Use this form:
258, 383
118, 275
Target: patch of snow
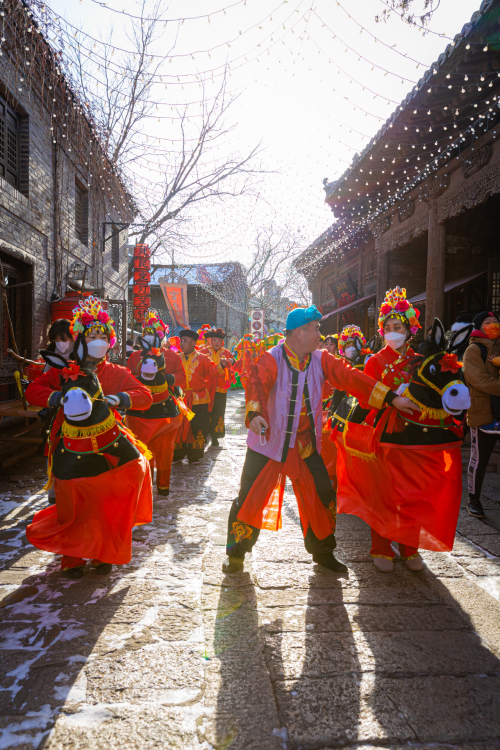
87, 716
11, 735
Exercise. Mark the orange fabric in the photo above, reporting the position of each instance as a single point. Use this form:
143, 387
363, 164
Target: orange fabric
389, 367
173, 365
201, 375
224, 381
113, 379
262, 506
93, 516
337, 372
329, 450
159, 436
408, 495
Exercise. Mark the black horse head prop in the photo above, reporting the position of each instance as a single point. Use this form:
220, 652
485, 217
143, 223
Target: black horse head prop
363, 353
82, 398
152, 363
437, 380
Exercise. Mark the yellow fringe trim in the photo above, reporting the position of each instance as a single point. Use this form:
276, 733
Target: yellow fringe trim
364, 456
157, 388
69, 430
426, 411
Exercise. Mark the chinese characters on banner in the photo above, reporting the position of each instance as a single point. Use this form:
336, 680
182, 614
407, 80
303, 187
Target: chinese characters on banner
176, 299
142, 278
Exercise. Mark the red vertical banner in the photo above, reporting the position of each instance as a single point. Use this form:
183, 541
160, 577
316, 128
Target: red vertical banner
176, 299
142, 278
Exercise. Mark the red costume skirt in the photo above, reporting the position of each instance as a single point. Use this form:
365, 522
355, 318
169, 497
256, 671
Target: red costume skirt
93, 516
159, 436
410, 495
329, 451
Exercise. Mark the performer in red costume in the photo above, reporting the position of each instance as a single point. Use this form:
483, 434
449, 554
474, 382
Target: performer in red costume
397, 322
93, 516
284, 414
201, 378
160, 370
216, 351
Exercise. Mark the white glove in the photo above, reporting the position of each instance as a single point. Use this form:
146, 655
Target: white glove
113, 400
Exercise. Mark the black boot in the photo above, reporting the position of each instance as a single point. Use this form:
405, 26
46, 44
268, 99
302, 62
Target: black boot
163, 491
103, 569
474, 508
233, 565
330, 561
215, 442
74, 573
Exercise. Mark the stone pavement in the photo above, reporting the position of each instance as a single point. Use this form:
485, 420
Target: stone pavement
168, 653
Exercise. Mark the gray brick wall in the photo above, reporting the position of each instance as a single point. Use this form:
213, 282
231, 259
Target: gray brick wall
27, 218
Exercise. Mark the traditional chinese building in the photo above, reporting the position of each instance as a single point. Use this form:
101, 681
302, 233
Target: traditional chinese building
420, 206
217, 293
64, 210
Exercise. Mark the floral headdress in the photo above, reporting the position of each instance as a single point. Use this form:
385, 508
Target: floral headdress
349, 333
154, 324
201, 333
89, 315
396, 304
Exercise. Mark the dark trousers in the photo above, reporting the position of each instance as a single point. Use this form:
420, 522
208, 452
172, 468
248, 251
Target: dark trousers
199, 428
217, 427
241, 537
481, 448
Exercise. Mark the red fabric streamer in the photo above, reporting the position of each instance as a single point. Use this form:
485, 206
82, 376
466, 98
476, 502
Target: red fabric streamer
262, 506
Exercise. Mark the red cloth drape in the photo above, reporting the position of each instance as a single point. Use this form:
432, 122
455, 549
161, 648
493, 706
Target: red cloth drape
262, 506
159, 435
410, 495
93, 516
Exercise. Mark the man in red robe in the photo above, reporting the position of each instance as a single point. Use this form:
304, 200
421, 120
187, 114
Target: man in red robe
201, 377
284, 413
216, 351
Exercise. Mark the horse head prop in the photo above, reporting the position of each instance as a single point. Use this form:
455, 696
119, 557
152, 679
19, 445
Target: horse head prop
437, 380
82, 398
152, 363
371, 347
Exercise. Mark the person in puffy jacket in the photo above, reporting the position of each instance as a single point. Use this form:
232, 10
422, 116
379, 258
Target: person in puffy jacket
481, 369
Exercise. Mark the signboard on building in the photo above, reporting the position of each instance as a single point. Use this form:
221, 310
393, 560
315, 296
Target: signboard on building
257, 323
343, 290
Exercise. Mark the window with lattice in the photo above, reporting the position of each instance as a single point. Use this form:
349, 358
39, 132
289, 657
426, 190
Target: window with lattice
371, 269
9, 143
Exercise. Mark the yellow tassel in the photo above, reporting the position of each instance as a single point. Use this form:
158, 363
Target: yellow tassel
17, 376
50, 476
185, 410
69, 430
135, 441
426, 412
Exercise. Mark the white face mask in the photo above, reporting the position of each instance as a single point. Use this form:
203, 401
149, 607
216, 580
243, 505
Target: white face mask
63, 346
149, 339
395, 340
97, 348
351, 352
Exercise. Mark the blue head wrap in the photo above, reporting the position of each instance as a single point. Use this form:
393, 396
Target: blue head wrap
302, 315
